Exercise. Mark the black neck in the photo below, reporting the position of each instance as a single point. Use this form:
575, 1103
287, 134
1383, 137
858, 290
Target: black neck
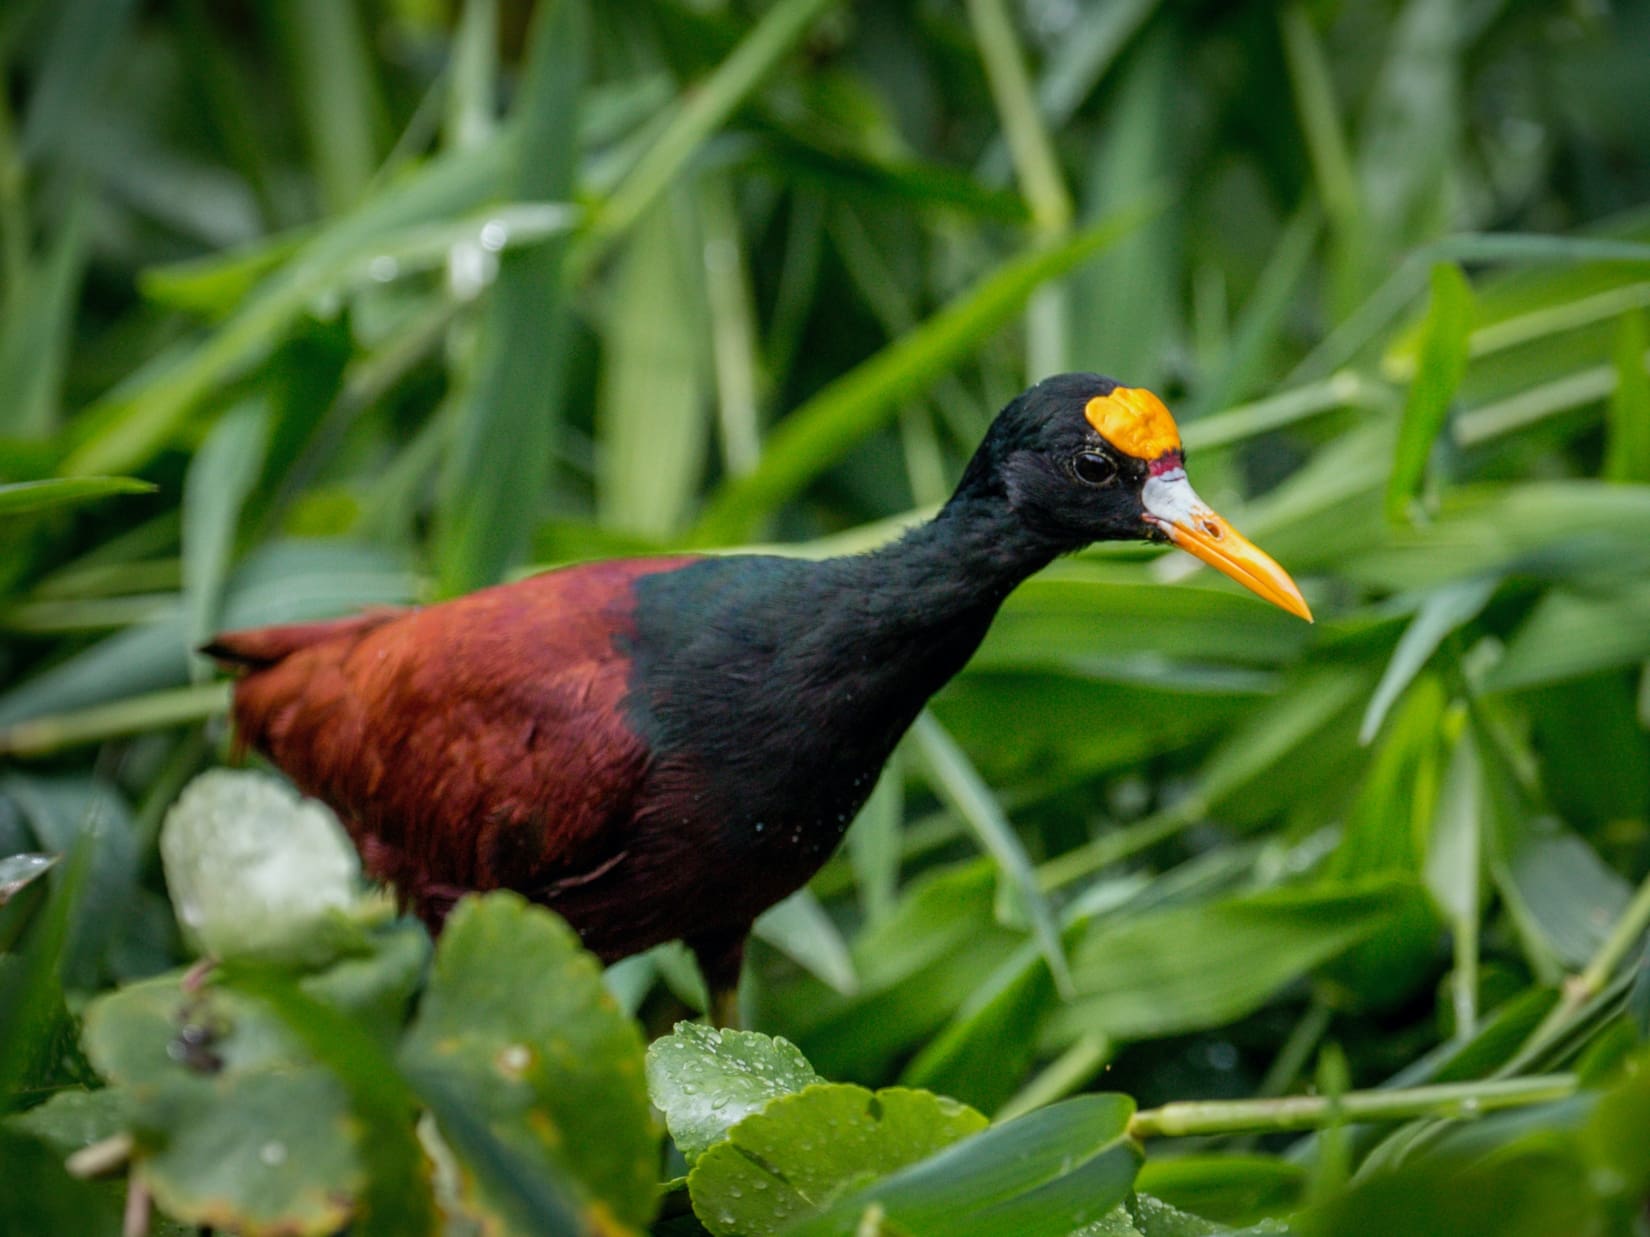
957, 567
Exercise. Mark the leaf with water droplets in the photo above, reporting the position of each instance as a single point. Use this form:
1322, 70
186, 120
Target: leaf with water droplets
804, 1150
707, 1081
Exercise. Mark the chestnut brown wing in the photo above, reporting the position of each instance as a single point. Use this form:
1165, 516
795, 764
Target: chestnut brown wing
473, 744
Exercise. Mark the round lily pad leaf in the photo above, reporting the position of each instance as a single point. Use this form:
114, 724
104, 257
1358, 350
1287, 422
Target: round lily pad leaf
516, 1019
153, 1034
802, 1151
267, 1152
706, 1081
234, 1124
258, 872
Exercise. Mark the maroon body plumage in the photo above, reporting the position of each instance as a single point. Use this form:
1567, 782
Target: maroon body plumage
477, 744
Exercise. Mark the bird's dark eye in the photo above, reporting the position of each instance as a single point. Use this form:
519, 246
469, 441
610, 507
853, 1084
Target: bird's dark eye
1093, 468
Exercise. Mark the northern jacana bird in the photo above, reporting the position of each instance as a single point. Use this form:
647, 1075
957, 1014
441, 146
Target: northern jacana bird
662, 748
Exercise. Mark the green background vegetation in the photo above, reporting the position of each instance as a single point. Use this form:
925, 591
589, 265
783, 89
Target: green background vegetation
312, 305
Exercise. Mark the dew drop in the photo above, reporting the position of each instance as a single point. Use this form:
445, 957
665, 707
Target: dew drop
383, 268
273, 1153
495, 235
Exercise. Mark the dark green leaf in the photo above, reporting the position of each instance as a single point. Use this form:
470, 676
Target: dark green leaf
1041, 1175
800, 1151
515, 1018
705, 1081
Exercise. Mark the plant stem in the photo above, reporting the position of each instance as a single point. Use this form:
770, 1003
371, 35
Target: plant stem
1298, 1112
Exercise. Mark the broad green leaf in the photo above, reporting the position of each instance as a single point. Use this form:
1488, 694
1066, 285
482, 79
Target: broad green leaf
1443, 360
235, 1126
1441, 612
800, 928
706, 1081
1557, 886
987, 1048
1199, 966
1538, 1189
821, 431
220, 478
1040, 1175
515, 1017
256, 871
28, 496
801, 1151
1627, 452
270, 1152
1570, 634
76, 1118
1155, 1218
396, 1197
1232, 1187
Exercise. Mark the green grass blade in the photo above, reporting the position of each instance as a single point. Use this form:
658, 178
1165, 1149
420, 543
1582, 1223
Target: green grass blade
52, 733
653, 423
1627, 448
1127, 336
1441, 612
219, 481
127, 427
495, 477
824, 428
334, 87
29, 496
470, 116
955, 780
1443, 361
704, 111
1041, 182
34, 340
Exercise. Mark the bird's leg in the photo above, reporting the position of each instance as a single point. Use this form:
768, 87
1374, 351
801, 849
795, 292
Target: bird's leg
720, 958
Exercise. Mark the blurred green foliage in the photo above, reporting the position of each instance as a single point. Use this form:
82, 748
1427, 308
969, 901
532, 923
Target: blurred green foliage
314, 305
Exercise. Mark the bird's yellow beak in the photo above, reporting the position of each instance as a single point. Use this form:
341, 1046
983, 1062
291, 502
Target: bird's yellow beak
1173, 507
